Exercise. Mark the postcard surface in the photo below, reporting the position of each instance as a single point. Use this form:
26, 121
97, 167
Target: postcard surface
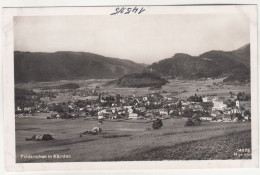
130, 87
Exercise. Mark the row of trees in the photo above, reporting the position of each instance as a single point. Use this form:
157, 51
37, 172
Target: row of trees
241, 96
195, 98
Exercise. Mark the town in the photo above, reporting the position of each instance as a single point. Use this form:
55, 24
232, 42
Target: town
72, 102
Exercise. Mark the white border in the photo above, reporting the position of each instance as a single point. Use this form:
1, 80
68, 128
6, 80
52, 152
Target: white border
8, 96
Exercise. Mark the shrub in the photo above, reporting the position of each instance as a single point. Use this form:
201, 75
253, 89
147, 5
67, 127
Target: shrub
189, 122
46, 137
157, 123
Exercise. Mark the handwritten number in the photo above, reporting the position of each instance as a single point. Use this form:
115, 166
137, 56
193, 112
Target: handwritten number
122, 10
128, 10
135, 10
117, 11
142, 10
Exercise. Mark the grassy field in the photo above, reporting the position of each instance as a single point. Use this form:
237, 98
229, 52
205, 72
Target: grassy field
230, 146
184, 88
119, 138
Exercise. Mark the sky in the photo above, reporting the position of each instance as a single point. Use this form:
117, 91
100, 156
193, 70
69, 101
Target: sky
140, 38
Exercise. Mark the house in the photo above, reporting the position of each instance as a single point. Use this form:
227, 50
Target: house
227, 111
102, 111
18, 108
216, 114
58, 116
204, 99
163, 112
196, 107
186, 103
227, 118
207, 99
133, 115
129, 109
236, 110
121, 111
112, 116
247, 117
206, 118
81, 109
100, 117
145, 99
73, 115
141, 109
27, 108
149, 114
105, 112
218, 105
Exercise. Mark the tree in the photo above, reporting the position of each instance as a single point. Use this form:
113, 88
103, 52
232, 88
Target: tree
239, 96
239, 116
189, 122
179, 105
231, 94
248, 113
157, 123
200, 99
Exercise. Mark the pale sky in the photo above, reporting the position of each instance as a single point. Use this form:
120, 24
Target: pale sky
140, 38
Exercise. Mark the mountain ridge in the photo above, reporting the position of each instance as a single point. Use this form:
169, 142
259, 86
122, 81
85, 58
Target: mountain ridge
211, 64
41, 66
67, 65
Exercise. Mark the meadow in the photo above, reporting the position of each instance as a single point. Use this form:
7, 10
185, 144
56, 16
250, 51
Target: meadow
120, 138
231, 146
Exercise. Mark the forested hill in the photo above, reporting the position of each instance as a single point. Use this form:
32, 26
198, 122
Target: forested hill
139, 80
234, 64
39, 66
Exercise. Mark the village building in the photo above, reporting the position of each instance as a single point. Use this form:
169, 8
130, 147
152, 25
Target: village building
163, 112
206, 118
18, 108
227, 118
207, 99
216, 114
133, 116
218, 104
129, 109
100, 117
196, 107
28, 109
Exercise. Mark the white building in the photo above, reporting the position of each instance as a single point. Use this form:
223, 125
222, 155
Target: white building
133, 115
163, 112
218, 105
207, 99
129, 109
102, 111
145, 98
100, 117
206, 118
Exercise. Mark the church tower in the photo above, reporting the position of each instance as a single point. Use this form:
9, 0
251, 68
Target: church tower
237, 104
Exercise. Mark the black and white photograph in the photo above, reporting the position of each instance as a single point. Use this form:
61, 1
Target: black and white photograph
134, 84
